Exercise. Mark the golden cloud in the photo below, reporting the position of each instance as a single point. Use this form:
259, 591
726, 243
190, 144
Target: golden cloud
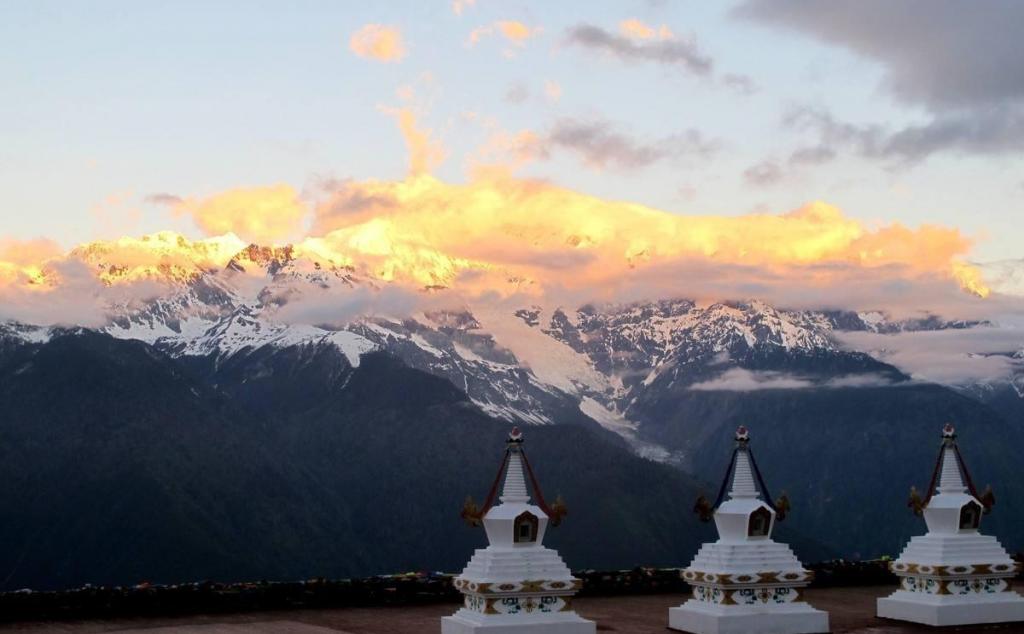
636, 29
426, 152
556, 238
512, 30
378, 41
22, 261
27, 252
266, 215
505, 237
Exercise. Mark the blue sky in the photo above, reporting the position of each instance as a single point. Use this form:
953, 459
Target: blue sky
105, 103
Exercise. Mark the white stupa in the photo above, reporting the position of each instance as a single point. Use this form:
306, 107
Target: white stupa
746, 583
516, 585
953, 575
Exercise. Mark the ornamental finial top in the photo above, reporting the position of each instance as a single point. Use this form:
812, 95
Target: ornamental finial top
742, 434
515, 436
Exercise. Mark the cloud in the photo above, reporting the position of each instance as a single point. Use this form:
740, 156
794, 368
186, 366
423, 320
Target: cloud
669, 51
337, 306
24, 263
764, 174
266, 215
426, 152
517, 93
519, 236
814, 155
637, 30
944, 54
860, 380
71, 295
28, 252
740, 83
164, 199
600, 145
528, 241
983, 354
458, 6
35, 301
508, 152
772, 171
962, 63
997, 130
514, 32
743, 380
378, 42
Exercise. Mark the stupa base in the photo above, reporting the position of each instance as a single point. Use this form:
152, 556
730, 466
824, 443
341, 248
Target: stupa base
931, 609
470, 622
699, 617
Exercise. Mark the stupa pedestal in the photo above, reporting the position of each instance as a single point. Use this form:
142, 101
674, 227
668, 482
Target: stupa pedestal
516, 585
953, 575
746, 583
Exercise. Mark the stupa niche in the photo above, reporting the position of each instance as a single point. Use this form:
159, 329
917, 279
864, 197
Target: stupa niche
745, 582
516, 585
953, 575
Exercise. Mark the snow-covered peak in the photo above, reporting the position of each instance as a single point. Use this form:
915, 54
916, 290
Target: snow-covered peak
24, 332
165, 256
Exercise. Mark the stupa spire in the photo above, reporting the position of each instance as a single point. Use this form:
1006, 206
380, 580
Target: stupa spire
951, 480
515, 480
743, 485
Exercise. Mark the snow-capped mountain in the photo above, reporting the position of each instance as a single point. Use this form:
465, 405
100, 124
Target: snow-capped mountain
537, 364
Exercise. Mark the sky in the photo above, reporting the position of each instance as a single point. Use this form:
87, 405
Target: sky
693, 108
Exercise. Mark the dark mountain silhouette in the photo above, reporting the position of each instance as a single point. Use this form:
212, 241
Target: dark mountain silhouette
120, 464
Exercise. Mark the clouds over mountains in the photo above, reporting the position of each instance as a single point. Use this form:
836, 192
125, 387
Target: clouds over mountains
505, 238
961, 64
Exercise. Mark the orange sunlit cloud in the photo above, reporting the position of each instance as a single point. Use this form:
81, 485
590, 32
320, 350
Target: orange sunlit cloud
426, 152
26, 252
267, 215
508, 151
555, 237
500, 236
636, 29
21, 261
512, 30
379, 42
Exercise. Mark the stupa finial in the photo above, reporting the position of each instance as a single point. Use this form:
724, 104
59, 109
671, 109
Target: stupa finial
515, 437
948, 434
742, 436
